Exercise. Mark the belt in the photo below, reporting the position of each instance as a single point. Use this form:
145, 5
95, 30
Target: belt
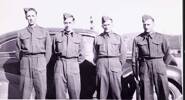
68, 57
108, 57
149, 58
33, 54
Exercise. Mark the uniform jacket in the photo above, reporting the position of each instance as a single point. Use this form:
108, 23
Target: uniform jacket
70, 45
34, 40
156, 48
109, 44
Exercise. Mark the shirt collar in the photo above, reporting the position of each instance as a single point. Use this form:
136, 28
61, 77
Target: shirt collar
108, 34
32, 29
68, 32
149, 35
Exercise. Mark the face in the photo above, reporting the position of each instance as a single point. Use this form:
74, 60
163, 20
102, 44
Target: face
148, 25
31, 17
68, 23
107, 26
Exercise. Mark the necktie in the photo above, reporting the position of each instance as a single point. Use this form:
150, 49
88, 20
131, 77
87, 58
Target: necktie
148, 42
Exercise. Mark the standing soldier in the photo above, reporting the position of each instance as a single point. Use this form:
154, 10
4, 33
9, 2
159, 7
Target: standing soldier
68, 46
150, 50
110, 55
34, 45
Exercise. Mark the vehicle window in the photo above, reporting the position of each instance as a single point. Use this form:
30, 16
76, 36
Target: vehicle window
8, 46
88, 47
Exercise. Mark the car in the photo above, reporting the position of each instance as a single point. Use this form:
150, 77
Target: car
10, 74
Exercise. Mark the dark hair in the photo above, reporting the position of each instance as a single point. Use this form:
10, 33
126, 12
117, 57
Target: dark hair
26, 10
67, 15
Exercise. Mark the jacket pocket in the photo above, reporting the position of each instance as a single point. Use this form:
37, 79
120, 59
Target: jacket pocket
115, 47
101, 47
157, 48
25, 41
143, 47
41, 38
76, 47
41, 42
59, 45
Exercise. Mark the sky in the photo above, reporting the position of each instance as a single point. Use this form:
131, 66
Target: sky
126, 14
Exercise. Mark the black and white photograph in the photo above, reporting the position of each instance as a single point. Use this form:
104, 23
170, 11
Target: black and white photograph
91, 49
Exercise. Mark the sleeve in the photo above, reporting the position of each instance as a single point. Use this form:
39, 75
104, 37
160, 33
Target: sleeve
48, 47
166, 51
18, 46
123, 51
81, 57
54, 45
135, 53
95, 51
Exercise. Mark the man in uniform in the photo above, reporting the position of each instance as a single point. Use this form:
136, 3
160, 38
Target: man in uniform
149, 58
110, 55
69, 48
34, 45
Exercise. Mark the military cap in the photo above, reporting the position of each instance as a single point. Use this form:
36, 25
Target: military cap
146, 17
67, 15
29, 9
105, 18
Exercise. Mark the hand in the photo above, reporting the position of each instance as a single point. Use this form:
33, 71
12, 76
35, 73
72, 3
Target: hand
137, 79
94, 63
